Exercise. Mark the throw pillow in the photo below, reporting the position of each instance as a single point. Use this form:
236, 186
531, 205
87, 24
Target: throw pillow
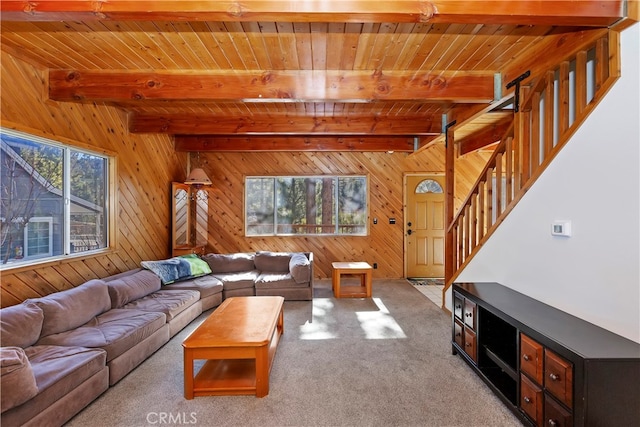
199, 267
169, 270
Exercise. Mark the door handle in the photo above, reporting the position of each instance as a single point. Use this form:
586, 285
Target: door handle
409, 232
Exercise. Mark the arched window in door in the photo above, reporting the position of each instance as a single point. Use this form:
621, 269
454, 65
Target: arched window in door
428, 186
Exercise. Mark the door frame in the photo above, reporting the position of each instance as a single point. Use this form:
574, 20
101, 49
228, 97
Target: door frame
404, 212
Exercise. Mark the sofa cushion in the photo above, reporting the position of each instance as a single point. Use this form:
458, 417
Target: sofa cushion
66, 310
169, 302
268, 280
130, 288
20, 325
206, 285
230, 263
273, 261
243, 280
114, 331
169, 270
18, 381
60, 373
300, 268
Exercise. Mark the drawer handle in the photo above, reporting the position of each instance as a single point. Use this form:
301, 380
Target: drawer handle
468, 344
552, 422
526, 357
554, 377
527, 399
458, 334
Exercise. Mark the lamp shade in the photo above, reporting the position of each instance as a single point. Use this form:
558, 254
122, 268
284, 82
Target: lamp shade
197, 176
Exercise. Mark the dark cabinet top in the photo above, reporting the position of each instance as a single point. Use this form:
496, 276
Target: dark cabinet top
581, 337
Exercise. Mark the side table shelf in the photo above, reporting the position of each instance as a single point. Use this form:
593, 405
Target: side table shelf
549, 367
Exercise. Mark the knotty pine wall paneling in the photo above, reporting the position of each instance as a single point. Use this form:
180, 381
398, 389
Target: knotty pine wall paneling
383, 245
146, 165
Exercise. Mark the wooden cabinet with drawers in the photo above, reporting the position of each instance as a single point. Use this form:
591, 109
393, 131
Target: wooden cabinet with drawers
464, 326
550, 368
546, 385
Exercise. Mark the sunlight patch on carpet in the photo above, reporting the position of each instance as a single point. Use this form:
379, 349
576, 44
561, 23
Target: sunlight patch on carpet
375, 320
379, 324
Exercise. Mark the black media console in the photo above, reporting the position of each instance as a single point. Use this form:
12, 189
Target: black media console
549, 367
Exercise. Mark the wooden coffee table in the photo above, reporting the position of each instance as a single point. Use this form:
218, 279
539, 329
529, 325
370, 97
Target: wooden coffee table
361, 269
239, 341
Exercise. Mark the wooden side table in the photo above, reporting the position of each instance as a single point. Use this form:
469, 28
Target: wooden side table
361, 269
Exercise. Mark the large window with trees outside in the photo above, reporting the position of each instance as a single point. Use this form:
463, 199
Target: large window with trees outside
54, 199
294, 205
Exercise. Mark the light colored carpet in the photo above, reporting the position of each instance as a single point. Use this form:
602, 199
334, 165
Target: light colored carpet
384, 361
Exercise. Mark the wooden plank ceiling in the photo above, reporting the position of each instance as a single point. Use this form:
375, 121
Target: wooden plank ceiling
365, 75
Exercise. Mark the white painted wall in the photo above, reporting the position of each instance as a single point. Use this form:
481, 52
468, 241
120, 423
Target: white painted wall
595, 183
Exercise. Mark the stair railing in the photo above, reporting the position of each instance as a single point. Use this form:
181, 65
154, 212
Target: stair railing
553, 107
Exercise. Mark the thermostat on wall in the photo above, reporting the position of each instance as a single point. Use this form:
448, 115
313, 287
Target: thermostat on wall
561, 228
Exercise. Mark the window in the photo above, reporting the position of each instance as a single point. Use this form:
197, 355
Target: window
38, 237
287, 205
54, 199
428, 186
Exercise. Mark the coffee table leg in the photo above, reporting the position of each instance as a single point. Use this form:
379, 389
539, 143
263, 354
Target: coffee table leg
262, 371
188, 374
336, 282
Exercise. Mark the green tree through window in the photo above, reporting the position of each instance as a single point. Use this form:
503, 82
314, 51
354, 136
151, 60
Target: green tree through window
289, 205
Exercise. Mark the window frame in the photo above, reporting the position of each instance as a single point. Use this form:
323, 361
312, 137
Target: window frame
110, 222
336, 208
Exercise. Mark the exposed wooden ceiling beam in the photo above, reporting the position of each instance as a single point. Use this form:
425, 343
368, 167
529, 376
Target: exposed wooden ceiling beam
271, 86
487, 136
549, 12
283, 125
296, 143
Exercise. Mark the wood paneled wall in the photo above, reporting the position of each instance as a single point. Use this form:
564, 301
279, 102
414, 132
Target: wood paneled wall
146, 165
385, 243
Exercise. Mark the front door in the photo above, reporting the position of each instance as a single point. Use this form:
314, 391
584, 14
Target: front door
424, 225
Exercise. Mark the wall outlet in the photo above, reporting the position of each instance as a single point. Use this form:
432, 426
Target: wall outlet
375, 265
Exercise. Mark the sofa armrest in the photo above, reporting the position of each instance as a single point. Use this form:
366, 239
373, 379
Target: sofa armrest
16, 378
300, 268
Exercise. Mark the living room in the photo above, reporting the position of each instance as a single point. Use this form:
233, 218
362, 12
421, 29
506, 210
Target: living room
593, 275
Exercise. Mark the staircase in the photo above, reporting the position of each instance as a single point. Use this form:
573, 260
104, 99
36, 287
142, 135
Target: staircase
552, 106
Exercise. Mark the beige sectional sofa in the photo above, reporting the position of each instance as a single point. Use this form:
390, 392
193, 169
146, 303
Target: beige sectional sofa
61, 351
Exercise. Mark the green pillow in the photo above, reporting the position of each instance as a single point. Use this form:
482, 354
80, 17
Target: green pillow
199, 267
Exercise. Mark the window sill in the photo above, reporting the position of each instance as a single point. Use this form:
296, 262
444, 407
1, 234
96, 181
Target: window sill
52, 261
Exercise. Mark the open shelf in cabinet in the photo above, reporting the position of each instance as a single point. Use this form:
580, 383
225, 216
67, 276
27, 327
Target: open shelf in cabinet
604, 367
500, 339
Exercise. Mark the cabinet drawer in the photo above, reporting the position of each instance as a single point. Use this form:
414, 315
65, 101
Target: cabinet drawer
470, 344
458, 302
531, 400
558, 377
457, 334
470, 314
555, 415
531, 356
